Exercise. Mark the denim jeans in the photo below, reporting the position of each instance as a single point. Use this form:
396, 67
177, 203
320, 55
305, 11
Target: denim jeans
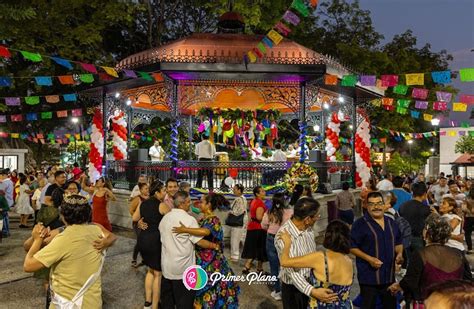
6, 224
274, 261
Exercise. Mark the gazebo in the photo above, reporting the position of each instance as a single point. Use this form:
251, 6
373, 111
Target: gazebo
208, 70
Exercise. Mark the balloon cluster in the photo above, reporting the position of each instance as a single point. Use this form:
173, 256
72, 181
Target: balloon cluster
174, 140
303, 129
332, 136
97, 147
362, 153
119, 135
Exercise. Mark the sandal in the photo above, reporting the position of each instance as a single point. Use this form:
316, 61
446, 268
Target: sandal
134, 264
246, 270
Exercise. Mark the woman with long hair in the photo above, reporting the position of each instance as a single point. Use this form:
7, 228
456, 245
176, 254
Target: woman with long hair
272, 221
433, 264
468, 209
23, 206
331, 269
151, 211
144, 194
101, 195
448, 211
255, 240
220, 294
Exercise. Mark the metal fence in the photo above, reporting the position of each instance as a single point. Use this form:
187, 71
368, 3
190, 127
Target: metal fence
200, 174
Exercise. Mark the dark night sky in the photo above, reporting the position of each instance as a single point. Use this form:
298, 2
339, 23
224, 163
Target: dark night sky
445, 24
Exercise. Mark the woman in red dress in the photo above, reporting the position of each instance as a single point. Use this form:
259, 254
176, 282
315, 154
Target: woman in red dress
101, 195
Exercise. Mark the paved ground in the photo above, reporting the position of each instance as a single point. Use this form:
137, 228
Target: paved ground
122, 285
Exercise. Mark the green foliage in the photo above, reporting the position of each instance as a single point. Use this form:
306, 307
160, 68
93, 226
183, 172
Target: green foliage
403, 165
83, 149
465, 145
236, 154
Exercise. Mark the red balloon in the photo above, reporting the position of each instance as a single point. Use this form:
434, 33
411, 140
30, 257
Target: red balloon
233, 172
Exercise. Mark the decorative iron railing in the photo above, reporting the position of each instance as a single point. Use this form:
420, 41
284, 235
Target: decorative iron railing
200, 174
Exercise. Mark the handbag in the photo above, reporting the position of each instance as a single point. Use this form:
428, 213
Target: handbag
235, 221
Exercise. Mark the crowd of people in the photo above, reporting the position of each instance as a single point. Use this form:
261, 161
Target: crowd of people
408, 244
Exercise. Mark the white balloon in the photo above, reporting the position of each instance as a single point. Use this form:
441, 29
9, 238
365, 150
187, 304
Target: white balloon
229, 181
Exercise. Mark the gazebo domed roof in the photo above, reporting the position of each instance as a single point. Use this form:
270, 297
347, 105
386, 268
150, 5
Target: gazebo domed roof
223, 48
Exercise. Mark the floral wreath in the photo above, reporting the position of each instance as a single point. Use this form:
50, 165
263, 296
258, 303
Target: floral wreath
301, 173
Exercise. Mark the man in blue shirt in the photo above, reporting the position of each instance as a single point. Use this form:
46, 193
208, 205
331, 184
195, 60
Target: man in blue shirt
402, 195
377, 245
7, 186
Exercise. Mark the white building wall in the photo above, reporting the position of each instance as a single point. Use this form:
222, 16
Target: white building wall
446, 150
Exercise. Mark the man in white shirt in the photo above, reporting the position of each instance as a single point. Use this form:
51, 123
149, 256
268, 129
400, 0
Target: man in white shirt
205, 151
136, 190
177, 253
156, 152
454, 193
385, 185
278, 154
7, 186
257, 152
436, 192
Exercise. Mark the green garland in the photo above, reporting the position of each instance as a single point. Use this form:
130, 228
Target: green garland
235, 114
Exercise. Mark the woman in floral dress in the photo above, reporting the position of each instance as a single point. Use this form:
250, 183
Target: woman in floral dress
223, 294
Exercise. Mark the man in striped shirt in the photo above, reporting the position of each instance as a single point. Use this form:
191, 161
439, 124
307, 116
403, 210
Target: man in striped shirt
295, 288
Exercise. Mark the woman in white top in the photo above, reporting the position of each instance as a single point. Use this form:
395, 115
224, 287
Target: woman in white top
35, 199
237, 208
448, 210
23, 206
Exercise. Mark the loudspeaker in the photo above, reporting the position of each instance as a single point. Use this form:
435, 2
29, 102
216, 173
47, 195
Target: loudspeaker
324, 188
138, 155
315, 155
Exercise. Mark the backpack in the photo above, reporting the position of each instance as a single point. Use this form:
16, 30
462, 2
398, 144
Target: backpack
405, 229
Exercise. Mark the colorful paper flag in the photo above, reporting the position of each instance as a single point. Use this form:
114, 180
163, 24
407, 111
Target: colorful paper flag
61, 114
275, 37
89, 67
451, 133
129, 73
251, 56
421, 104
3, 118
145, 76
314, 3
12, 101
389, 107
427, 117
76, 112
419, 93
440, 106
31, 116
4, 52
404, 103
368, 80
17, 118
442, 133
465, 124
441, 77
330, 79
459, 107
267, 42
291, 18
86, 78
158, 77
471, 133
110, 71
376, 102
52, 99
5, 81
44, 80
387, 101
33, 100
66, 79
466, 98
462, 133
282, 28
444, 96
349, 80
105, 76
46, 115
415, 79
261, 47
389, 80
415, 114
257, 52
15, 135
400, 89
301, 7
401, 110
70, 97
63, 62
467, 74
31, 56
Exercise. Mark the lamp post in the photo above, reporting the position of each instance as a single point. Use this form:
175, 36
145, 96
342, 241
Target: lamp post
75, 121
435, 124
410, 142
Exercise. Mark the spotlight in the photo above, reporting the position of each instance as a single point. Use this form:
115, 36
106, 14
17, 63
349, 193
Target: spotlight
351, 127
432, 150
316, 128
326, 106
117, 95
128, 102
341, 99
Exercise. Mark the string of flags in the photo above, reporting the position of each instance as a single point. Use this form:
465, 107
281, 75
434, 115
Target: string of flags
93, 71
48, 138
292, 17
78, 112
394, 80
400, 136
34, 100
